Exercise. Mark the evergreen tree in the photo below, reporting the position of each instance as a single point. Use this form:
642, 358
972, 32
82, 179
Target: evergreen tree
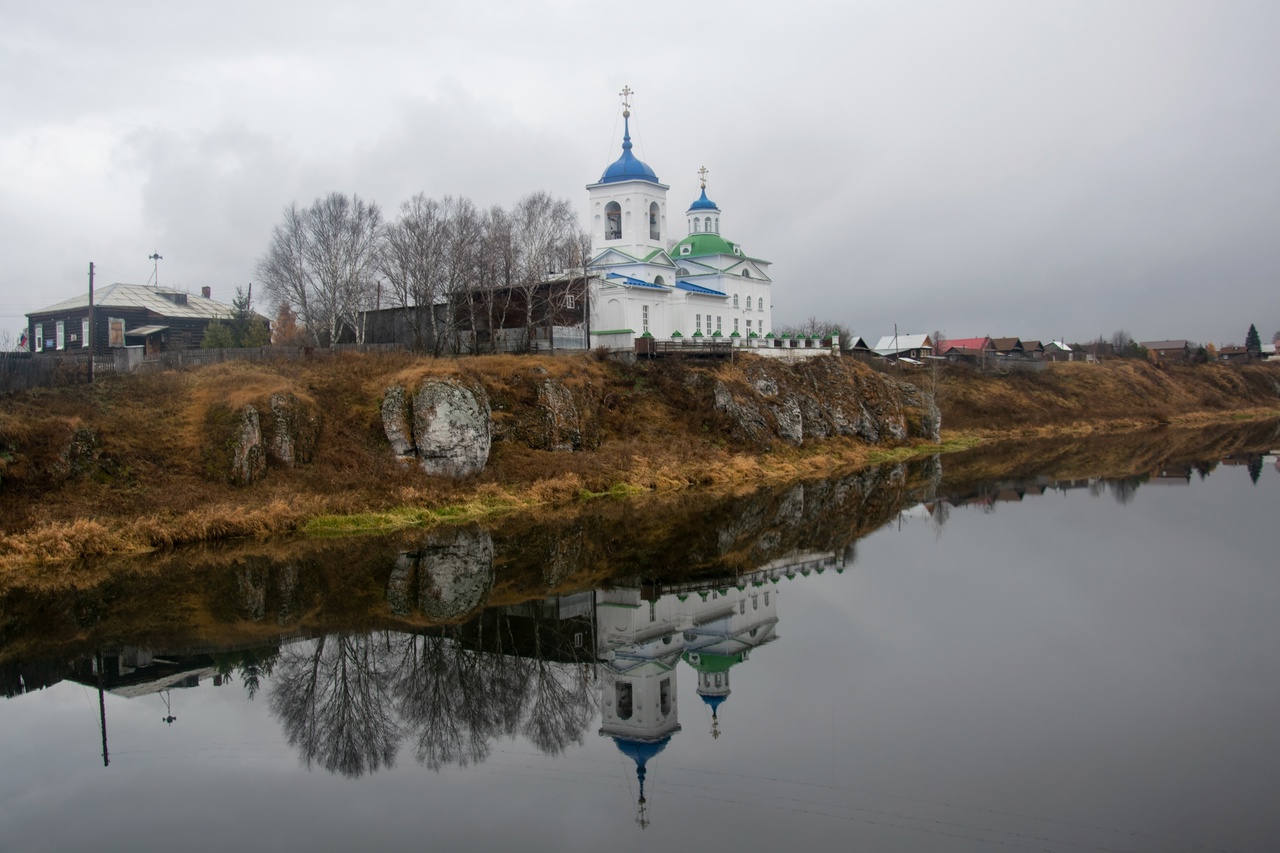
217, 335
1253, 343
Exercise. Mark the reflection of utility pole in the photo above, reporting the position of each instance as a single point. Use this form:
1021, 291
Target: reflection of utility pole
102, 713
168, 707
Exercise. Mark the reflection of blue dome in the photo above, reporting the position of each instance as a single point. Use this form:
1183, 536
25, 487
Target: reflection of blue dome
703, 203
713, 701
641, 751
628, 167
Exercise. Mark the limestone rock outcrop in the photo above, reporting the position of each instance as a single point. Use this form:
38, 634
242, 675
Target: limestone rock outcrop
823, 397
293, 430
445, 426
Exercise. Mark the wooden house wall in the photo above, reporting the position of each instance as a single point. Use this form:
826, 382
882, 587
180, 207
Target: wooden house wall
183, 332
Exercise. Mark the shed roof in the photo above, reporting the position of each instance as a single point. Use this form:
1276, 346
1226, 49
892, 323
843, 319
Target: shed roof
1175, 344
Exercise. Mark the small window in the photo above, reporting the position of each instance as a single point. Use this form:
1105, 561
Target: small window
697, 226
708, 224
717, 323
746, 273
657, 279
654, 214
684, 250
60, 335
568, 301
664, 696
681, 271
697, 322
116, 327
613, 221
735, 324
735, 300
39, 341
644, 318
748, 328
737, 250
84, 332
748, 303
622, 693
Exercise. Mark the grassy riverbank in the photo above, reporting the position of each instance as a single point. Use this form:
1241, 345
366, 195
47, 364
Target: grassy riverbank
139, 481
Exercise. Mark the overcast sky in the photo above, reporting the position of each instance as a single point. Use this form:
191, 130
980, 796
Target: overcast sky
1035, 169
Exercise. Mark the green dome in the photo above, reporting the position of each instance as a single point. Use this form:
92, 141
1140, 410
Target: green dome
702, 244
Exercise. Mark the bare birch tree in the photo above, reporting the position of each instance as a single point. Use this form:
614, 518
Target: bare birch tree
415, 263
545, 230
323, 263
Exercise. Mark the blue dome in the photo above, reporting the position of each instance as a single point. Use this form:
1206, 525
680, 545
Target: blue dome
714, 702
628, 167
703, 203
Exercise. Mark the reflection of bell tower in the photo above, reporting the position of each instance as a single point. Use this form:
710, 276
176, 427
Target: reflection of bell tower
713, 681
639, 712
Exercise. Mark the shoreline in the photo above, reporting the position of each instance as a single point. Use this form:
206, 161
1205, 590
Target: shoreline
64, 543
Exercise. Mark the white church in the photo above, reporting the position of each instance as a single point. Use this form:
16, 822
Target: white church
668, 280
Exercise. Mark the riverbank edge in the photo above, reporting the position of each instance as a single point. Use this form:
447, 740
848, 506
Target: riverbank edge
66, 543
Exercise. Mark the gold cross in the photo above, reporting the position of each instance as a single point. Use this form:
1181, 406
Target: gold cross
702, 173
626, 98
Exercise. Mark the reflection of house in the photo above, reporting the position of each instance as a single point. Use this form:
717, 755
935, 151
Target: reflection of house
126, 315
134, 672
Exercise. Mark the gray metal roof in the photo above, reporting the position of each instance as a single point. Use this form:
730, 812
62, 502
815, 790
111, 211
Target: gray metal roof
159, 300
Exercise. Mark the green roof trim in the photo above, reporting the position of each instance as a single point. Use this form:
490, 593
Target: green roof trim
698, 334
616, 332
703, 244
676, 334
712, 662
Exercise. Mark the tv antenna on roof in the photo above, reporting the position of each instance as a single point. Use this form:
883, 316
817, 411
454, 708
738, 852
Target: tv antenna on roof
155, 274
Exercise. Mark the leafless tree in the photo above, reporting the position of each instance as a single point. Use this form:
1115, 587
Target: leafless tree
323, 263
545, 231
333, 700
414, 261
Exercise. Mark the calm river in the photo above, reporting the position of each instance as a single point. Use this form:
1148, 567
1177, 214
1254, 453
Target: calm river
1051, 648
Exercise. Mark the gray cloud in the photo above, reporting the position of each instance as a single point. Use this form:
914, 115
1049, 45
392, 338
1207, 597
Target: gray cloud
1034, 169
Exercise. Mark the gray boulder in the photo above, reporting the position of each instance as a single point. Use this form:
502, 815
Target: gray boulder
451, 430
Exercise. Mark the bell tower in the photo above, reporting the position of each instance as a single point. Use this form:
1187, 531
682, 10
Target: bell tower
628, 203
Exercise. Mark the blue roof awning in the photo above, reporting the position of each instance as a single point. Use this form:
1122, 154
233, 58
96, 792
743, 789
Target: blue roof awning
697, 288
636, 282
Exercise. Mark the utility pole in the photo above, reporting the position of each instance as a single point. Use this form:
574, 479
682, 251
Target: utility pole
90, 322
102, 713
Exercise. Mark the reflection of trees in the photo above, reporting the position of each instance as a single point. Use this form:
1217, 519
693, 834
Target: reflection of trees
333, 699
346, 702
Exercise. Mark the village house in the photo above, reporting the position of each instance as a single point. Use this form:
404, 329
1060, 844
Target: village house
159, 319
904, 347
1171, 350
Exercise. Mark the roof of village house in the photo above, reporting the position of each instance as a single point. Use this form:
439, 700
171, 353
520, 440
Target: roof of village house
1006, 344
166, 302
1177, 344
1062, 345
967, 343
890, 344
1031, 346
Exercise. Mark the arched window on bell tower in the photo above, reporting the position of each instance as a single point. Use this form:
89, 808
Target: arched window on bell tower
655, 226
613, 221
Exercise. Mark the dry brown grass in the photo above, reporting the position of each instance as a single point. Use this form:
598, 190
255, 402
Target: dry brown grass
654, 435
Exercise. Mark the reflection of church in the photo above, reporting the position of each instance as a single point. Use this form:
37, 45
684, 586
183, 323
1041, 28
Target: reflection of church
642, 638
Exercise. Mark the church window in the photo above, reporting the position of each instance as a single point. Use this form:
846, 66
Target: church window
622, 693
708, 222
654, 231
737, 250
735, 300
746, 273
748, 328
735, 324
718, 323
684, 250
697, 225
664, 696
748, 303
644, 318
613, 221
766, 599
717, 679
653, 611
742, 606
755, 602
717, 224
657, 279
682, 271
697, 322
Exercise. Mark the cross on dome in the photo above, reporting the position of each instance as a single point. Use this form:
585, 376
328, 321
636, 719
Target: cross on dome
702, 173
